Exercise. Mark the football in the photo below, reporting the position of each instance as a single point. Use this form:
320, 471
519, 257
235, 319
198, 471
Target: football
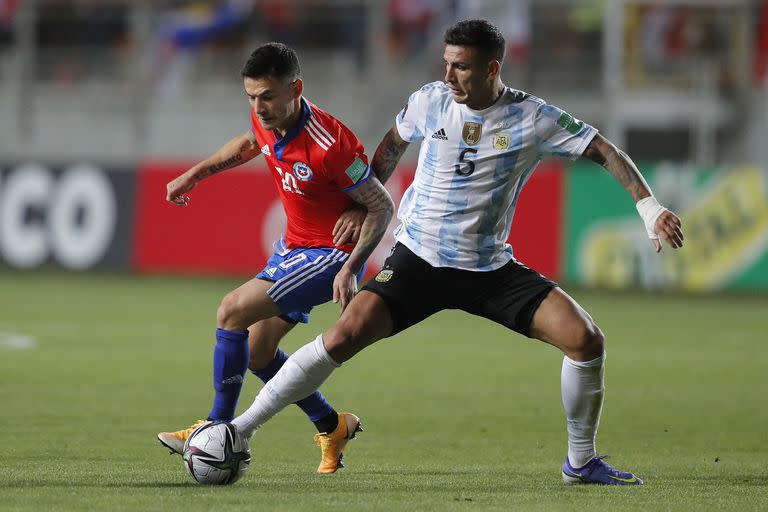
215, 455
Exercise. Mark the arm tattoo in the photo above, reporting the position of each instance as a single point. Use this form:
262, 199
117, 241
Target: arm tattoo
375, 197
226, 164
387, 155
246, 151
618, 163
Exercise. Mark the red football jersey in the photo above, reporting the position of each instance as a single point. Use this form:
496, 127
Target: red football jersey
313, 165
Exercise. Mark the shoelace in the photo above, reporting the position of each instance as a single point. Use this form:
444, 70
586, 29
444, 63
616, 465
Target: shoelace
189, 430
319, 439
609, 467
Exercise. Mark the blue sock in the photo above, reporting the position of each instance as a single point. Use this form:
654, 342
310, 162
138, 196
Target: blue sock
230, 361
315, 405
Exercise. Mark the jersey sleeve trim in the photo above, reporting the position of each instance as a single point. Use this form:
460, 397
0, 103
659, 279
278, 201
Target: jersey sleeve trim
365, 177
592, 131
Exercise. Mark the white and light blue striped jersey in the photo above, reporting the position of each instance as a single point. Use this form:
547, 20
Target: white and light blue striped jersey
472, 165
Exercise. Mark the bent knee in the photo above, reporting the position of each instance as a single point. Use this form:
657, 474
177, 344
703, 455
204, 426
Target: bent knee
342, 333
346, 338
589, 340
229, 311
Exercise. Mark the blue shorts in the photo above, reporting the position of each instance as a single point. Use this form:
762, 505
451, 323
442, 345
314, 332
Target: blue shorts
303, 278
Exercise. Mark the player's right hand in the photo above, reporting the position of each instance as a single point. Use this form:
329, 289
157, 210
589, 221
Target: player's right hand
344, 287
178, 188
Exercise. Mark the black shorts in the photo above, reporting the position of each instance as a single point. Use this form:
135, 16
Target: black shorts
413, 289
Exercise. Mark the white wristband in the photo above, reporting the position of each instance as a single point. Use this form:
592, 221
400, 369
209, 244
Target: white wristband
650, 210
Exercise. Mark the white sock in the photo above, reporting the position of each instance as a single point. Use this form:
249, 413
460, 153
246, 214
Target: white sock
582, 388
299, 377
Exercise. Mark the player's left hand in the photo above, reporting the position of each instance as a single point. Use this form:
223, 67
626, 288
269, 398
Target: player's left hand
349, 225
668, 227
344, 287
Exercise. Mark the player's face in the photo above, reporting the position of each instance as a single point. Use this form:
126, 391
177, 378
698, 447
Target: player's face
467, 75
275, 101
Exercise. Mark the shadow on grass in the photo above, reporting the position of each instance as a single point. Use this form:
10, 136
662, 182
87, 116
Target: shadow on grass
68, 484
418, 473
404, 481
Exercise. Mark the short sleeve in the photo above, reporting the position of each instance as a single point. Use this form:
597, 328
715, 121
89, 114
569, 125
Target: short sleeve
560, 134
410, 120
346, 163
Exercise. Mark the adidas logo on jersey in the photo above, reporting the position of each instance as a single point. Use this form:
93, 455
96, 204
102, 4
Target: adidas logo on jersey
265, 150
440, 134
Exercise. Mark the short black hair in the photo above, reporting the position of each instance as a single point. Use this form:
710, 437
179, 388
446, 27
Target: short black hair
480, 34
272, 59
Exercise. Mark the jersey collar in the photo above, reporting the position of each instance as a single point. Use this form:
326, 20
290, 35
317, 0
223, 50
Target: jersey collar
491, 107
280, 144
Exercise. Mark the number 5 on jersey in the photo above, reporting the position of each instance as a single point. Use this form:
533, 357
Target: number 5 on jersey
469, 166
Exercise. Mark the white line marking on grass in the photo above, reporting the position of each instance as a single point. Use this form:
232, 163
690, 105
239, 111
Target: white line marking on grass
58, 330
17, 341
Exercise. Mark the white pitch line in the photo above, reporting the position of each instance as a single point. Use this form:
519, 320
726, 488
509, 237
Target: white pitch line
58, 330
17, 341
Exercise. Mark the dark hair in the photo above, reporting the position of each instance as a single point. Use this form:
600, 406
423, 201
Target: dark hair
272, 59
480, 34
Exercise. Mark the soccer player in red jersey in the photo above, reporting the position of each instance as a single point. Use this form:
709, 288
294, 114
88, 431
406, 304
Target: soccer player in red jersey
321, 171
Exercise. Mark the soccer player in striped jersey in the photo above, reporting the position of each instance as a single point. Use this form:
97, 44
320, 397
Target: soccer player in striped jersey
321, 172
480, 141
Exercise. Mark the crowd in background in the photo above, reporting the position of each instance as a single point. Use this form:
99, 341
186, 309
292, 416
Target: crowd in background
662, 35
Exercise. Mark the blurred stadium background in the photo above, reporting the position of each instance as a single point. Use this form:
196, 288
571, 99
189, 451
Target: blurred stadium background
103, 101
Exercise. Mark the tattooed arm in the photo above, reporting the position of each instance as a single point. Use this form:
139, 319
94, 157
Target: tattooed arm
388, 154
377, 200
618, 163
659, 221
235, 152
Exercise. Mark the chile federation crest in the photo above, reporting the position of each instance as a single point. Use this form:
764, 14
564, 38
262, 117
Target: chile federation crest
302, 171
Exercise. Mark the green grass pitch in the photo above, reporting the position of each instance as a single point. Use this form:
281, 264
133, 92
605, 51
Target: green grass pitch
459, 414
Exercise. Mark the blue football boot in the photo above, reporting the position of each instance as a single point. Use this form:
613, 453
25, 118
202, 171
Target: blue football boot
597, 471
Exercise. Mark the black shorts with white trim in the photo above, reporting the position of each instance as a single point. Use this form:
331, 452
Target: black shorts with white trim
414, 290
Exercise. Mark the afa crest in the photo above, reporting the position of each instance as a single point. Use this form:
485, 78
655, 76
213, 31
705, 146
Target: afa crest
472, 132
384, 275
302, 171
501, 142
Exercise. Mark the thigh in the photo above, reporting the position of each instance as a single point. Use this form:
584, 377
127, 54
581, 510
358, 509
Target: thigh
563, 323
264, 337
410, 287
250, 302
510, 296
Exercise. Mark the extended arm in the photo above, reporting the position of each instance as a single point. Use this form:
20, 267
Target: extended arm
377, 200
235, 152
388, 154
658, 220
